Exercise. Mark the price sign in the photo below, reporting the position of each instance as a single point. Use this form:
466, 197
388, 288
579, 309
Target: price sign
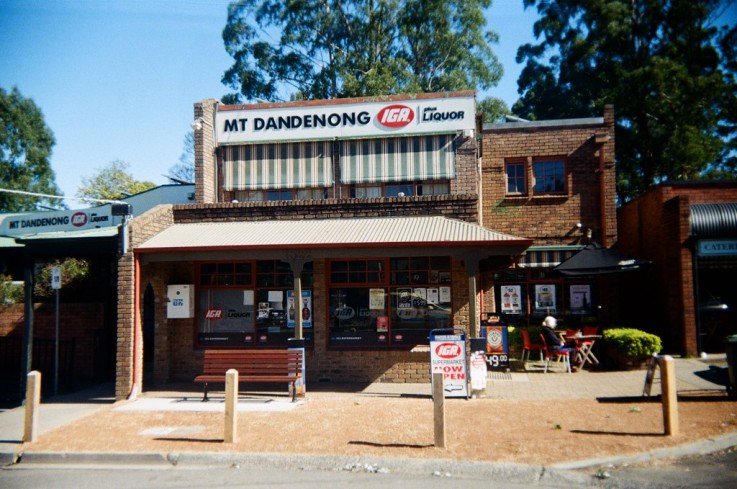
56, 278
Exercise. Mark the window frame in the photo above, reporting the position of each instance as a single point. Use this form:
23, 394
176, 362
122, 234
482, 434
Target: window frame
536, 181
516, 163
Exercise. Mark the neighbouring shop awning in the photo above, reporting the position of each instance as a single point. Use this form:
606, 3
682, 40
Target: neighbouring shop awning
398, 159
713, 220
547, 256
594, 259
446, 235
275, 166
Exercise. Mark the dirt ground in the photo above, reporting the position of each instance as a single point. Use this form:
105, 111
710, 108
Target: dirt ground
492, 430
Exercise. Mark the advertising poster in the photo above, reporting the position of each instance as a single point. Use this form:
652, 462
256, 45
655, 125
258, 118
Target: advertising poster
376, 299
580, 300
448, 356
304, 308
545, 297
511, 299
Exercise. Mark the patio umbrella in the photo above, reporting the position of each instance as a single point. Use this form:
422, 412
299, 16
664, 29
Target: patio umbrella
594, 259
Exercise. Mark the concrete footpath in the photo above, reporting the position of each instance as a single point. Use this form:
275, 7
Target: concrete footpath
523, 383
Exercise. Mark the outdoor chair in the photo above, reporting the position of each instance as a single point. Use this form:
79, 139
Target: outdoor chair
559, 355
528, 346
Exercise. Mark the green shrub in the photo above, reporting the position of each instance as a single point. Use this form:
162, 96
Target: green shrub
631, 342
10, 293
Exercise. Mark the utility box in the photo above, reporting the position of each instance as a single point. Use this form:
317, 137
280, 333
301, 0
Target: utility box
180, 301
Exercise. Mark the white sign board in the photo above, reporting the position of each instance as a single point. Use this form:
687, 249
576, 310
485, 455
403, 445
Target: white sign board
56, 278
56, 221
448, 356
335, 119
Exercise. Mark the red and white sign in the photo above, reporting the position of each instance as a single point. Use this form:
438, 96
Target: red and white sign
422, 114
213, 314
448, 356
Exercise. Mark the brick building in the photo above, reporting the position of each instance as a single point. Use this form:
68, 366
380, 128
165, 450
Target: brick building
360, 225
689, 232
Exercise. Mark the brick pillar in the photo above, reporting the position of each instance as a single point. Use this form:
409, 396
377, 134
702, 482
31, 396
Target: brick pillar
205, 165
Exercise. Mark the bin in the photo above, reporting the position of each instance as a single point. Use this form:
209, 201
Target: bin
730, 345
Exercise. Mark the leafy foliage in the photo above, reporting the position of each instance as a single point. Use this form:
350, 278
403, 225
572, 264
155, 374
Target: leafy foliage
10, 293
668, 70
112, 182
25, 150
73, 272
324, 49
631, 342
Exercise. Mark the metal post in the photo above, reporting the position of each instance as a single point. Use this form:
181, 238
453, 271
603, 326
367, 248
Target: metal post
27, 359
56, 346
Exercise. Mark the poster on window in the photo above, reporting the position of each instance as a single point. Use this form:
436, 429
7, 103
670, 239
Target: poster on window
303, 308
511, 299
545, 297
580, 299
376, 299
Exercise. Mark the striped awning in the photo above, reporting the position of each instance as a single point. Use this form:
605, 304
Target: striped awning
543, 257
398, 159
278, 166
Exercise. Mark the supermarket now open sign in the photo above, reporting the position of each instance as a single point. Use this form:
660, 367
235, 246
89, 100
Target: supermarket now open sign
448, 357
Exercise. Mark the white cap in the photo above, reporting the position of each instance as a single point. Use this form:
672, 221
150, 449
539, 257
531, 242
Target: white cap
550, 322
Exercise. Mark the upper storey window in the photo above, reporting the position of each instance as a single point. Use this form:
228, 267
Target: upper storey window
549, 176
516, 177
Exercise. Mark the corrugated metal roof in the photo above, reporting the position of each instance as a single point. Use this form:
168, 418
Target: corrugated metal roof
327, 233
713, 220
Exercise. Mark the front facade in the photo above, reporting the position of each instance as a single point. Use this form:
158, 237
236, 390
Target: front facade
358, 226
689, 231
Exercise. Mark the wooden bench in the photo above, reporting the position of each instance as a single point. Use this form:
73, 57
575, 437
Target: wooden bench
252, 366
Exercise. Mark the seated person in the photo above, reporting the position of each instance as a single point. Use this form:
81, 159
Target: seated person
552, 340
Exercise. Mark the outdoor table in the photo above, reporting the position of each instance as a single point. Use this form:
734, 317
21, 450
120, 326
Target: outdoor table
584, 347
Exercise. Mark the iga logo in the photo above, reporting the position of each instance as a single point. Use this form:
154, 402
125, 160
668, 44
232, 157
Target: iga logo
79, 219
396, 116
214, 314
447, 350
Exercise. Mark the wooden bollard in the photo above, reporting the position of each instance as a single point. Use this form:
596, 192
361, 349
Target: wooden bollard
669, 394
438, 399
231, 406
33, 401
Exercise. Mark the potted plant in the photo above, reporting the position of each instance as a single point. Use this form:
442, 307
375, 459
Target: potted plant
629, 348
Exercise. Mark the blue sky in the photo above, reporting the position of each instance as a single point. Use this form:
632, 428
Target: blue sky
117, 79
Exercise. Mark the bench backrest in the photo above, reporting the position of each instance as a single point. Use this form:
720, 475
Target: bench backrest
253, 362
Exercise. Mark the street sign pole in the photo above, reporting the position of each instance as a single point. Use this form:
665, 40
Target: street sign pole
56, 285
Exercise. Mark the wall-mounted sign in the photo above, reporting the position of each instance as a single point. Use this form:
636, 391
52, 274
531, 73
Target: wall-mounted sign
57, 221
717, 247
293, 122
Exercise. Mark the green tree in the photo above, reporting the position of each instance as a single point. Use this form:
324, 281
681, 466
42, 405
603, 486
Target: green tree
112, 182
664, 64
324, 49
25, 150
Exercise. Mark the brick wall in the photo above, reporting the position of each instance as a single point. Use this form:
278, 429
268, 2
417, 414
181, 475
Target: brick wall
551, 219
205, 167
81, 322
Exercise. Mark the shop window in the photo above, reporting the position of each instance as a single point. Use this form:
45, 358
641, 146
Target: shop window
371, 308
549, 176
526, 297
516, 177
279, 195
403, 189
251, 303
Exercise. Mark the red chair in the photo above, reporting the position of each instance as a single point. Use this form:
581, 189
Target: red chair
559, 355
528, 346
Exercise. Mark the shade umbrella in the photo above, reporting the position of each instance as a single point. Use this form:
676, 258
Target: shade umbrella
594, 259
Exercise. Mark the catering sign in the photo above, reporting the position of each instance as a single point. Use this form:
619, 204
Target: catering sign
372, 118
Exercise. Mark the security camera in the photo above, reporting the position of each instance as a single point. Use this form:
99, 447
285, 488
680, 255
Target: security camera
579, 225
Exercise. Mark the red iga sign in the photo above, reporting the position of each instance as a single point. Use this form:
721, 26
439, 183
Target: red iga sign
79, 219
213, 314
396, 116
448, 351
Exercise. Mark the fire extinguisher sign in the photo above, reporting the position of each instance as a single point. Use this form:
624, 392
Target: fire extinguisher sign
448, 356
